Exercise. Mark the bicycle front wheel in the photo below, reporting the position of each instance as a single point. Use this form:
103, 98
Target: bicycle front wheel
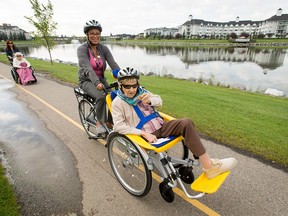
129, 166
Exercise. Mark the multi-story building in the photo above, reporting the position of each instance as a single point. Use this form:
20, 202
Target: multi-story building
161, 32
13, 31
275, 26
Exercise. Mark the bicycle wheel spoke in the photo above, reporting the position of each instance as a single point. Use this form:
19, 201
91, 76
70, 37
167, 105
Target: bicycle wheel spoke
128, 166
88, 118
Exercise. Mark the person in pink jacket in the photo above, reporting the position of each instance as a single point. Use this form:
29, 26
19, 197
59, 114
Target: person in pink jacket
133, 112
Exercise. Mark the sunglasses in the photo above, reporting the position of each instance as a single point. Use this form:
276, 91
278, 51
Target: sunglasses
94, 34
130, 86
10, 43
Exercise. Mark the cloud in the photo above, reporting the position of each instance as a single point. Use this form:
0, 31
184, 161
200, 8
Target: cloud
7, 116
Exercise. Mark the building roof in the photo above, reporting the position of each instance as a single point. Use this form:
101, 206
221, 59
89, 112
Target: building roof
283, 17
240, 22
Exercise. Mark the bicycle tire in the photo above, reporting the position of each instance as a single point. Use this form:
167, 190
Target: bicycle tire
14, 75
87, 114
128, 166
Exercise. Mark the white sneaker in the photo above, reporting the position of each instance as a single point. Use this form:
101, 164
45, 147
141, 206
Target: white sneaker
220, 166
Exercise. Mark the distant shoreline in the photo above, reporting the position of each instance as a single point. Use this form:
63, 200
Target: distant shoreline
184, 43
276, 42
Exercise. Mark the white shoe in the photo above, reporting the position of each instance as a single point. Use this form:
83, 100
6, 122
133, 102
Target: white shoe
220, 166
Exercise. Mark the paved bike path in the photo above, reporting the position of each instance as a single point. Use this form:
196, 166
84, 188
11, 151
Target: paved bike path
253, 188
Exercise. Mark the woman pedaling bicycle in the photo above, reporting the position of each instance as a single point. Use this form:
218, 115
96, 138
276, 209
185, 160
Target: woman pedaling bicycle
92, 58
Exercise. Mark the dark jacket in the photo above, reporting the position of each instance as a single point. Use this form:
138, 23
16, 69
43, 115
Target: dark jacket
10, 53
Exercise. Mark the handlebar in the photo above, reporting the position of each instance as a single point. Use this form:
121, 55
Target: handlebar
113, 85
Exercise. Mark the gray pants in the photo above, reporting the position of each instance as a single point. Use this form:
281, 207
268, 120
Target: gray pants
99, 96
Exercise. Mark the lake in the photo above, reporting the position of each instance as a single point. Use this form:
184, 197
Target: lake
253, 69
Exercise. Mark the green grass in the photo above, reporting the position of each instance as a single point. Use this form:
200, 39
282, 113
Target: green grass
8, 202
66, 73
250, 122
211, 43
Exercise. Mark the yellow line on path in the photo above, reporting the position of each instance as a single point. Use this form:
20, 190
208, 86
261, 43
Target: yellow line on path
57, 111
179, 192
194, 202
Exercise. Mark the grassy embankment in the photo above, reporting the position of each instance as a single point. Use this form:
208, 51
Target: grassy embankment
8, 201
174, 42
259, 43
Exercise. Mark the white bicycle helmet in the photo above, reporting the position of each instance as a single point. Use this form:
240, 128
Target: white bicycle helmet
92, 24
128, 72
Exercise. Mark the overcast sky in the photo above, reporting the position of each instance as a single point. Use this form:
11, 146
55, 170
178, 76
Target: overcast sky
134, 16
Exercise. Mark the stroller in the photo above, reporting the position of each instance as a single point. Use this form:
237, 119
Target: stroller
24, 75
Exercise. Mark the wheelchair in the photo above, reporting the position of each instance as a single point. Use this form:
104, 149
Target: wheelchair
15, 75
132, 158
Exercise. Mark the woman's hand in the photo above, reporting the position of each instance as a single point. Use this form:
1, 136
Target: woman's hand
145, 98
149, 137
99, 86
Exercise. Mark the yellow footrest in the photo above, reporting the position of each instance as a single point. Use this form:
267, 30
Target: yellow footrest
209, 186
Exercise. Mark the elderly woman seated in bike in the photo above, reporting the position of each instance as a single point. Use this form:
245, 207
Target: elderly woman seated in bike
133, 112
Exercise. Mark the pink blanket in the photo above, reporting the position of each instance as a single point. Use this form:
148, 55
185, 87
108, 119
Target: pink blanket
25, 74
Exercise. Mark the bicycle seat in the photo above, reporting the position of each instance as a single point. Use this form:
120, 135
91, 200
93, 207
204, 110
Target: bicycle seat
79, 92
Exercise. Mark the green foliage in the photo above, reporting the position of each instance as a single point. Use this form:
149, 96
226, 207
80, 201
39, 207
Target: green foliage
44, 24
8, 202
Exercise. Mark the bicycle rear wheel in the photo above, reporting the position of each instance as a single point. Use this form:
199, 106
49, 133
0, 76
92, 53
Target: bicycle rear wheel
129, 166
88, 118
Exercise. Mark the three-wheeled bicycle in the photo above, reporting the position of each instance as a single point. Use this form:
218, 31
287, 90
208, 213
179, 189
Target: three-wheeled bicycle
133, 159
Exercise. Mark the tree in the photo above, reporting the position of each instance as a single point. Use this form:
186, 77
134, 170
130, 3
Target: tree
233, 35
42, 20
245, 34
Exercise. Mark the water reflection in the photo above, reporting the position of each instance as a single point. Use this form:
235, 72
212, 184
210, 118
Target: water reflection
254, 69
24, 134
265, 58
39, 162
270, 58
